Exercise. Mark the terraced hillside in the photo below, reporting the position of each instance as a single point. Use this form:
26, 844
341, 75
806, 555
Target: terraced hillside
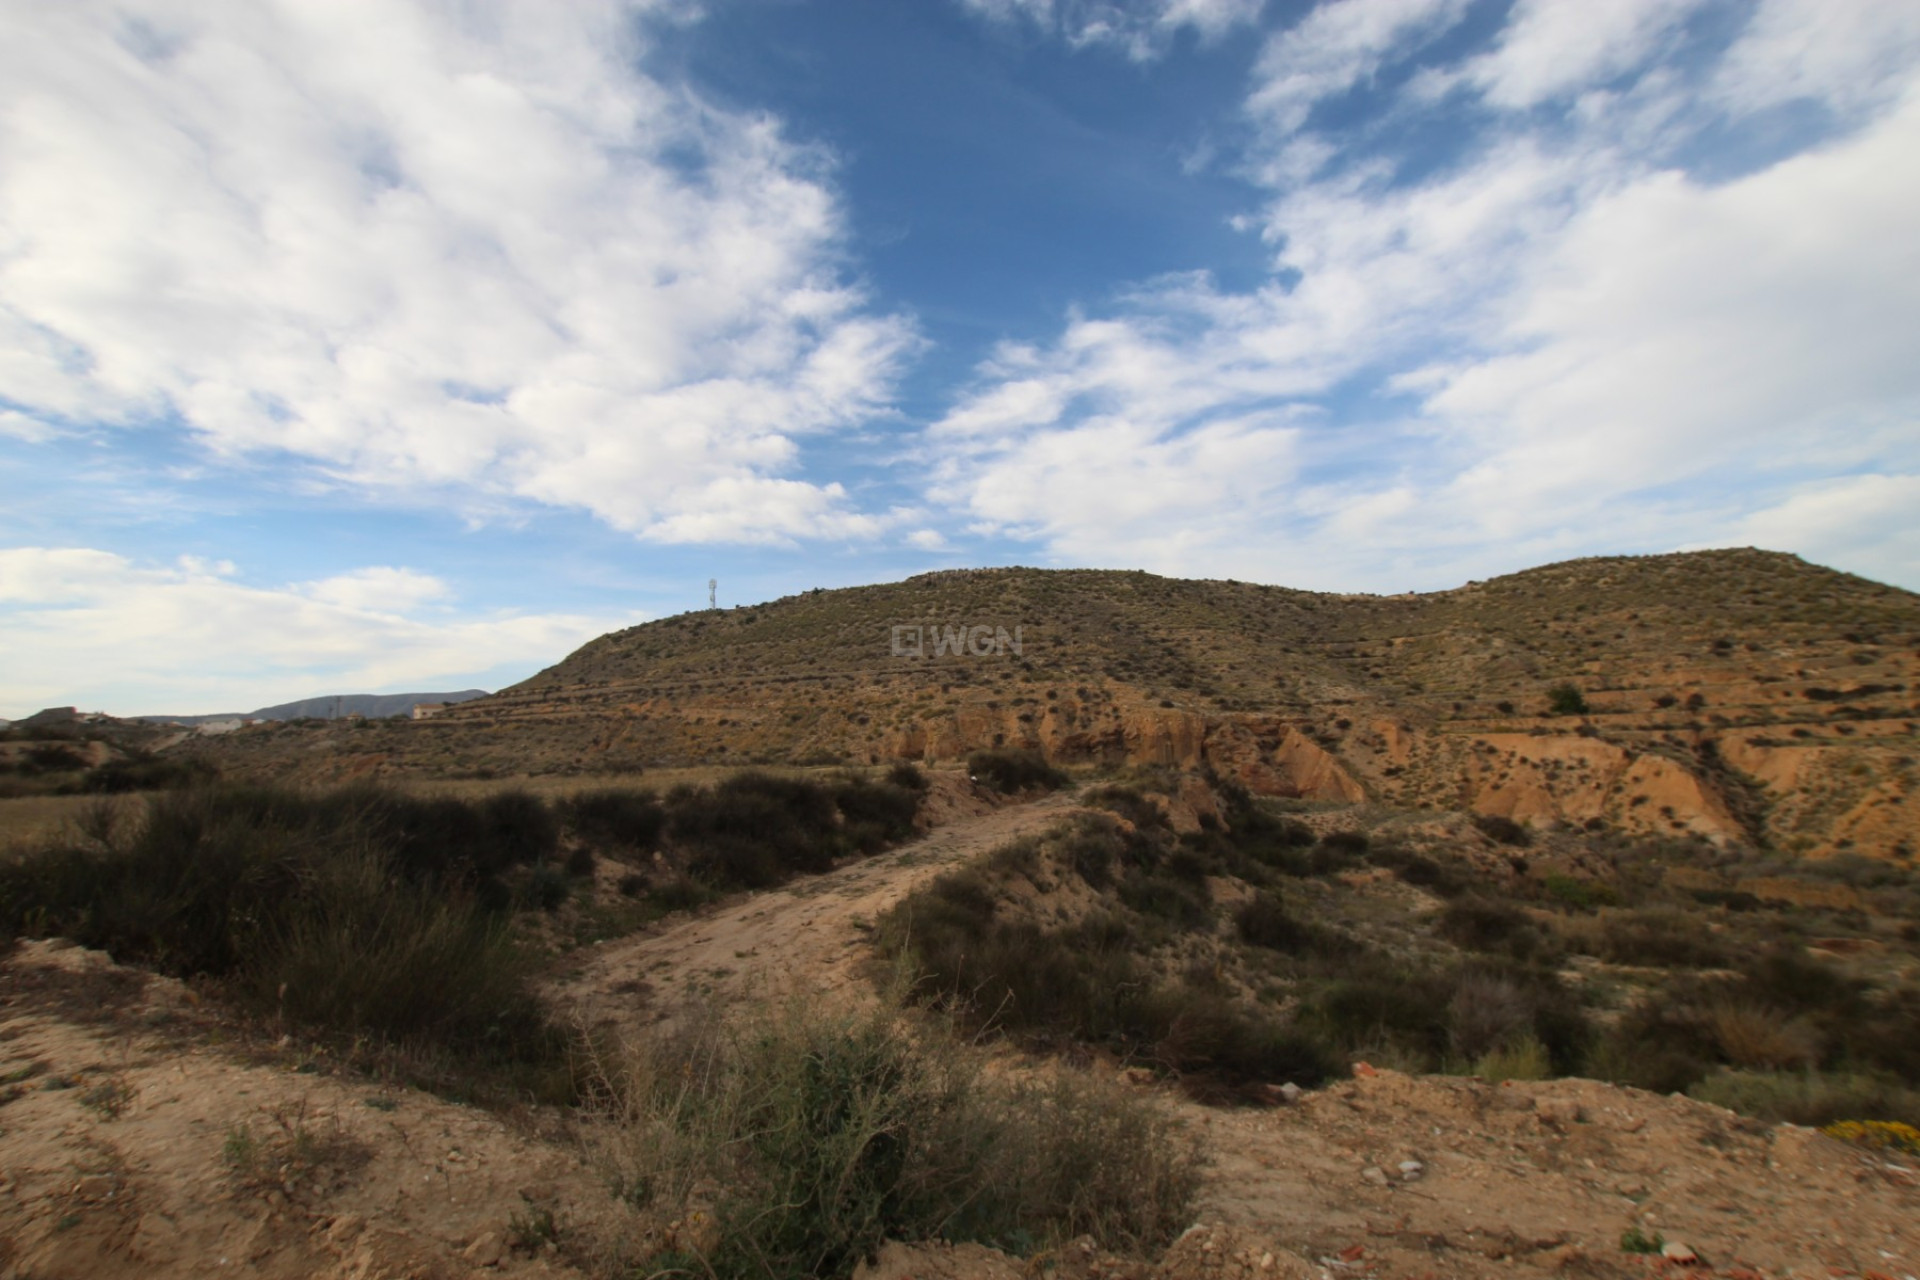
1740, 696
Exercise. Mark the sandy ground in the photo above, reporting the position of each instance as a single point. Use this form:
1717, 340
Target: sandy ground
136, 1141
137, 1138
810, 936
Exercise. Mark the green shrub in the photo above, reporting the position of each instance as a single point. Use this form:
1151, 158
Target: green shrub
1086, 983
754, 829
1180, 902
1502, 830
1382, 1006
1423, 872
1128, 803
146, 773
1808, 1097
1566, 700
876, 814
1635, 1240
907, 777
828, 1135
1579, 894
1482, 924
616, 818
1011, 772
1662, 937
335, 909
1264, 921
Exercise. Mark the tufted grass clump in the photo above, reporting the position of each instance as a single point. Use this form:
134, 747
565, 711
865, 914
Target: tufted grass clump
791, 1142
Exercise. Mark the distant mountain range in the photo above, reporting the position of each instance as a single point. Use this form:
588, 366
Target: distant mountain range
371, 705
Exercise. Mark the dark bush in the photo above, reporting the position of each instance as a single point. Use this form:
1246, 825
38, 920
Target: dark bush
1380, 1005
307, 905
546, 889
1423, 872
1664, 938
1481, 924
118, 777
1264, 921
1566, 700
907, 776
1129, 804
581, 862
876, 814
1084, 983
823, 1137
615, 818
1011, 772
677, 893
1181, 903
753, 829
1502, 830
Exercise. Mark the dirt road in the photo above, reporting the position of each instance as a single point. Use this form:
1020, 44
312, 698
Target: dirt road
810, 935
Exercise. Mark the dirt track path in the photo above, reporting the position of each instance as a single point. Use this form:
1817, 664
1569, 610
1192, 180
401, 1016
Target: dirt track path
812, 932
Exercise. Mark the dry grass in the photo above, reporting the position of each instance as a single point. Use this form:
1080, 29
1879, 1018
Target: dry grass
787, 1141
26, 820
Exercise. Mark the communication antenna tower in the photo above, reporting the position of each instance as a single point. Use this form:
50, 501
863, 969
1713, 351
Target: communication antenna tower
713, 587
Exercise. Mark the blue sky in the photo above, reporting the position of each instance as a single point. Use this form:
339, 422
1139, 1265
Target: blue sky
407, 345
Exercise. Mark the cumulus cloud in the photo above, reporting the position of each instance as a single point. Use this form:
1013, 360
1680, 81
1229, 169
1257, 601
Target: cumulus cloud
1141, 28
431, 249
1561, 341
85, 626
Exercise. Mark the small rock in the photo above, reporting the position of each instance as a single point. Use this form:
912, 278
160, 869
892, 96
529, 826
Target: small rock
1679, 1254
97, 1186
1292, 1092
1375, 1175
487, 1249
1411, 1169
1565, 1257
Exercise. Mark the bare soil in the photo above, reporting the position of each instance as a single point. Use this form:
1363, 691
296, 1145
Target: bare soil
140, 1135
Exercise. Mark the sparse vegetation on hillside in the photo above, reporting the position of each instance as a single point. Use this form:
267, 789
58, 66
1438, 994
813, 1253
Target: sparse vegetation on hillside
360, 912
1723, 669
1260, 952
1012, 772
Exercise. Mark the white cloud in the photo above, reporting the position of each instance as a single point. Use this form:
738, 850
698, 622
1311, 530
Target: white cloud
1848, 54
1865, 521
1141, 28
1555, 47
1674, 328
439, 249
95, 629
21, 427
1605, 352
381, 589
1335, 47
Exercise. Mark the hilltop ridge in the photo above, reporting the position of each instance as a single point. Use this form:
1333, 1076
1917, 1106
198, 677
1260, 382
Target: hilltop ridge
1739, 696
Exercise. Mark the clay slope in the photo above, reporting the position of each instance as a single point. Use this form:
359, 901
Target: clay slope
1741, 696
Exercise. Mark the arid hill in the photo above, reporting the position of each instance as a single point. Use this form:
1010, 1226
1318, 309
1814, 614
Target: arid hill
1742, 696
